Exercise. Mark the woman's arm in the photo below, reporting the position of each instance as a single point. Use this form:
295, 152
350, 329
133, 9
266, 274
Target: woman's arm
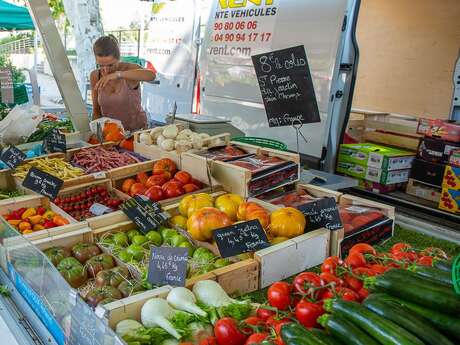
132, 73
138, 74
94, 95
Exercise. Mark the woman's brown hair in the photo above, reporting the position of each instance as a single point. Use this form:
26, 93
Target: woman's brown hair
107, 46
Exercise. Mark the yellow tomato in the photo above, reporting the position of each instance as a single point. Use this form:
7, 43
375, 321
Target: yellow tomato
229, 203
277, 240
179, 221
203, 222
287, 222
194, 202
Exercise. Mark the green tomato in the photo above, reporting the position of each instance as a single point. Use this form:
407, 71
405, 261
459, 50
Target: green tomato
244, 256
108, 240
206, 269
167, 234
136, 251
125, 256
221, 263
188, 245
139, 239
120, 239
132, 233
176, 239
200, 251
154, 237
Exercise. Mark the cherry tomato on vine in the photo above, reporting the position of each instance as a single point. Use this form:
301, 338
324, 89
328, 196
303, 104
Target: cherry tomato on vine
227, 332
330, 264
307, 313
279, 295
363, 248
354, 260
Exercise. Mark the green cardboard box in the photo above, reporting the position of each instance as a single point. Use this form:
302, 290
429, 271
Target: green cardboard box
376, 156
384, 177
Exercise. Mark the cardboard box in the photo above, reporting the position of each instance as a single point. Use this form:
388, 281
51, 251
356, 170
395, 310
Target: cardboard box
451, 178
376, 156
454, 158
450, 200
436, 150
384, 177
427, 172
446, 130
376, 187
423, 190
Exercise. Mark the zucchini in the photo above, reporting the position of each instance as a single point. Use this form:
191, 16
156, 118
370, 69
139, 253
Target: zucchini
328, 339
414, 278
443, 265
381, 329
344, 329
439, 298
447, 324
406, 319
295, 334
434, 274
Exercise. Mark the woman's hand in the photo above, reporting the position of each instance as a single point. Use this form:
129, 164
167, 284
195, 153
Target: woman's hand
102, 83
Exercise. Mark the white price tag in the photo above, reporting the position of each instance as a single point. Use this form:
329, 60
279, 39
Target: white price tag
99, 175
99, 209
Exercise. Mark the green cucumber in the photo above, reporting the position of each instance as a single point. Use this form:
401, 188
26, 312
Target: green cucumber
447, 324
441, 299
344, 329
295, 334
414, 278
443, 265
406, 319
328, 339
381, 329
434, 274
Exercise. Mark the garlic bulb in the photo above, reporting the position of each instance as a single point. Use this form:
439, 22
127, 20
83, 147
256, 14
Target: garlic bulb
167, 145
145, 138
170, 132
183, 145
160, 139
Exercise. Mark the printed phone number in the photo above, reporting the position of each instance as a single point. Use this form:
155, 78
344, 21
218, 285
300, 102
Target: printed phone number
228, 26
252, 37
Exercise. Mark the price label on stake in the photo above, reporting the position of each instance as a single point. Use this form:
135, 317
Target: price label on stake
43, 183
168, 266
55, 141
12, 157
145, 214
99, 209
240, 238
322, 213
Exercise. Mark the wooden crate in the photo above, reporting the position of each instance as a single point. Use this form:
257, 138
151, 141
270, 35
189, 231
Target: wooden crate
233, 178
423, 190
7, 182
105, 183
117, 181
288, 258
155, 152
346, 200
34, 201
130, 307
236, 279
111, 173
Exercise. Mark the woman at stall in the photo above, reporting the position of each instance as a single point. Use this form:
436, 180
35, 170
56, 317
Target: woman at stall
115, 86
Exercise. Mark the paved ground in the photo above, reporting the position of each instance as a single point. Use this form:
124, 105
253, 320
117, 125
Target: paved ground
49, 91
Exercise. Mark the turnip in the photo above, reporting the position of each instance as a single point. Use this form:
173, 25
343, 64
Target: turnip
156, 312
183, 299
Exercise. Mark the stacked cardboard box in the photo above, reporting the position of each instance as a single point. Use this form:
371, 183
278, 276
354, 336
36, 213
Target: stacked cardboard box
379, 168
434, 167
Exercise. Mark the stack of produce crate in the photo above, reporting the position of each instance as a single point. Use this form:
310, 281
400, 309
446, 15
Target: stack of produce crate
432, 176
379, 168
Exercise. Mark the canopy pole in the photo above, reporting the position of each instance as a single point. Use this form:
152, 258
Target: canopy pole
34, 74
60, 65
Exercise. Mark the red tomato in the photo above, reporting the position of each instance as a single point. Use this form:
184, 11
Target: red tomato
400, 247
363, 293
330, 264
209, 341
156, 180
142, 177
172, 189
164, 164
263, 313
253, 324
256, 338
363, 248
327, 294
425, 261
196, 183
227, 332
307, 313
354, 260
378, 269
404, 256
183, 177
190, 187
279, 341
279, 295
328, 278
154, 193
275, 323
353, 283
363, 271
307, 283
348, 294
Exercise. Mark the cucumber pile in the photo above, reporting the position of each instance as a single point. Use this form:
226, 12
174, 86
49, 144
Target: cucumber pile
406, 307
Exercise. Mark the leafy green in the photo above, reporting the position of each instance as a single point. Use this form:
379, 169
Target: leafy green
238, 311
4, 291
181, 321
146, 336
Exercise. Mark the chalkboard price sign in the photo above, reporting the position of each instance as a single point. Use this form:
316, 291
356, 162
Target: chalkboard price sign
322, 213
240, 238
147, 215
12, 157
286, 86
85, 327
168, 266
55, 142
43, 183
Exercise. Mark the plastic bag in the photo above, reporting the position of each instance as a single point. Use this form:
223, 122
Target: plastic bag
102, 121
20, 123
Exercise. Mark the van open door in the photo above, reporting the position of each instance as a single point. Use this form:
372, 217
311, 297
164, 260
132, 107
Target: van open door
239, 29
